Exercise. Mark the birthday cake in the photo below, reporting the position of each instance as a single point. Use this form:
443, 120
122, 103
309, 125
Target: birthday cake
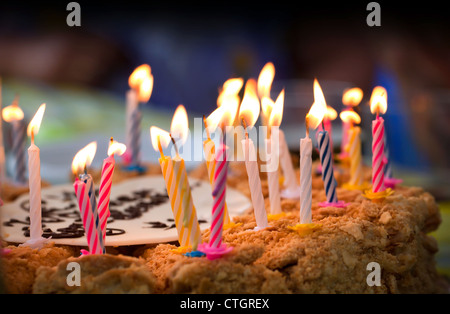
367, 247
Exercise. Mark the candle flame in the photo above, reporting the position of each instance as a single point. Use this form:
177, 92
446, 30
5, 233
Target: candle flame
331, 114
318, 108
378, 100
84, 157
249, 110
224, 115
116, 148
142, 81
180, 125
352, 97
231, 87
266, 107
350, 116
159, 137
35, 123
265, 80
276, 114
12, 112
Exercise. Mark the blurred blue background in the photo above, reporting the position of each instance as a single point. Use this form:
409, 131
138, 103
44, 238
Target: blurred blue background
193, 47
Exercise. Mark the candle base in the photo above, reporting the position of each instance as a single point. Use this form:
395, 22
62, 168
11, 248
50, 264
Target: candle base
257, 228
339, 204
138, 168
362, 187
213, 253
378, 196
37, 243
272, 217
392, 182
305, 229
194, 254
291, 193
231, 224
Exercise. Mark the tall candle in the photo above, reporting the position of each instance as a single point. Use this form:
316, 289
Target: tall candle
273, 182
141, 84
34, 165
350, 98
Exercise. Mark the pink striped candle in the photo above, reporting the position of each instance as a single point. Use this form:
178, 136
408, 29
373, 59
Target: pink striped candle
377, 155
92, 236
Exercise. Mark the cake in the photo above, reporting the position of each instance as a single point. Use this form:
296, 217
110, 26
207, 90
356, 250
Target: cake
332, 257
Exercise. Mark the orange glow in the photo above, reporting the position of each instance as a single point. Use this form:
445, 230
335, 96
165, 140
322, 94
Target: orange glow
266, 107
276, 114
35, 123
318, 108
116, 148
349, 116
265, 80
331, 114
141, 80
352, 97
84, 157
249, 110
180, 126
159, 137
224, 115
12, 112
230, 88
378, 100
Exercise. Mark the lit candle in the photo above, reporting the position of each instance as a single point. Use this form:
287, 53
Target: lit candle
14, 115
248, 114
34, 165
312, 121
351, 98
84, 191
175, 177
273, 123
141, 84
378, 105
330, 115
115, 148
353, 149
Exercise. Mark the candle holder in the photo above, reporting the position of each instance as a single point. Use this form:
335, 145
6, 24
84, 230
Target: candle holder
305, 229
378, 196
351, 187
339, 204
213, 253
138, 168
392, 182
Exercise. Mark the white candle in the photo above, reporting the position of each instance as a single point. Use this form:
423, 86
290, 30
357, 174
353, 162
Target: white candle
273, 181
34, 168
254, 182
305, 180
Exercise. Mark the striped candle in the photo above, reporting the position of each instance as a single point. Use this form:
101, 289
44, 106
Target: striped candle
305, 180
354, 150
92, 236
326, 161
174, 173
377, 155
18, 151
218, 211
105, 192
209, 150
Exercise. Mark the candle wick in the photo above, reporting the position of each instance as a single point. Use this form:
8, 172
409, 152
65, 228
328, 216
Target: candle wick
32, 136
206, 127
174, 145
245, 128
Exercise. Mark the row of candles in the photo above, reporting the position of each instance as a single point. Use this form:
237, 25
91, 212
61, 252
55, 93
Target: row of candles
231, 110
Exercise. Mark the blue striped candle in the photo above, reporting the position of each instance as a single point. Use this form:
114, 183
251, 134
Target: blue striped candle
18, 151
329, 181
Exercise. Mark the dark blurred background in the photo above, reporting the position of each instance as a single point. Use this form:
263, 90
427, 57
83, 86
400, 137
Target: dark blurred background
193, 47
